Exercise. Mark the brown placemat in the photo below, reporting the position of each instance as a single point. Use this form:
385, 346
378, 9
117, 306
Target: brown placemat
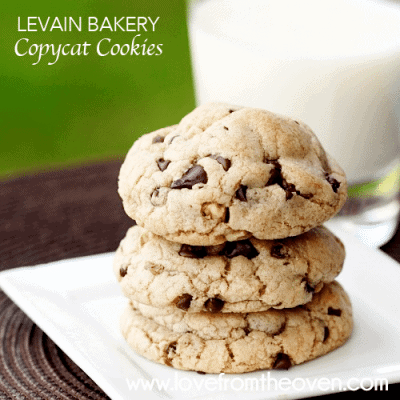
47, 217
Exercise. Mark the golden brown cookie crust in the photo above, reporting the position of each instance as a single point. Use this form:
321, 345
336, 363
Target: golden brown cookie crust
236, 343
246, 276
226, 173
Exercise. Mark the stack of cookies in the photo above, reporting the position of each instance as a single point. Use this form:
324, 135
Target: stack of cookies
227, 268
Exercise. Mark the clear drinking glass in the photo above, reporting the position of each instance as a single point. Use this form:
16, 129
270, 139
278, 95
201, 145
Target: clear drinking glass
333, 64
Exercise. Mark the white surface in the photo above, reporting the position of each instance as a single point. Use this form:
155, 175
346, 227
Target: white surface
333, 64
78, 302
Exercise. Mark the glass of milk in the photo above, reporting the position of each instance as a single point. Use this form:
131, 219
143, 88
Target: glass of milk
335, 64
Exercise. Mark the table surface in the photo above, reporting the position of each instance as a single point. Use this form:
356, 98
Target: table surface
53, 215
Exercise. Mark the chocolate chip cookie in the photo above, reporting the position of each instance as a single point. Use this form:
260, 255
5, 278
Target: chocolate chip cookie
235, 343
243, 276
226, 173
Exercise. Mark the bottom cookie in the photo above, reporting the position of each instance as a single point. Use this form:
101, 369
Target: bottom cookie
236, 343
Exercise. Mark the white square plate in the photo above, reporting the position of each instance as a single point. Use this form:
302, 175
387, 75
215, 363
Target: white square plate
77, 302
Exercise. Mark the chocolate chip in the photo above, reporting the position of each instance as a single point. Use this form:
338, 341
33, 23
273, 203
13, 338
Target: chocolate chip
215, 250
326, 333
226, 128
334, 311
192, 251
278, 251
246, 330
214, 305
227, 215
159, 196
226, 164
227, 268
162, 164
123, 271
158, 139
241, 193
275, 177
242, 248
280, 330
275, 174
306, 196
183, 301
170, 349
289, 195
333, 182
308, 288
282, 361
201, 372
230, 353
289, 189
275, 163
288, 186
191, 177
231, 111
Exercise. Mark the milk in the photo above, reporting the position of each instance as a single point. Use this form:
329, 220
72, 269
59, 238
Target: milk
333, 64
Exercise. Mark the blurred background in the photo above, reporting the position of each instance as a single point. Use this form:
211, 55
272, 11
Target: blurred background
87, 108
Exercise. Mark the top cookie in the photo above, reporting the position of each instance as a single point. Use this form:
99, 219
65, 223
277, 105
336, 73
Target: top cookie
226, 173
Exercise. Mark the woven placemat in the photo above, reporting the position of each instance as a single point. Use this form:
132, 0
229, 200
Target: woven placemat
47, 217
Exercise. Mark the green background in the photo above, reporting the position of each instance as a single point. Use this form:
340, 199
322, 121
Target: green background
88, 107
